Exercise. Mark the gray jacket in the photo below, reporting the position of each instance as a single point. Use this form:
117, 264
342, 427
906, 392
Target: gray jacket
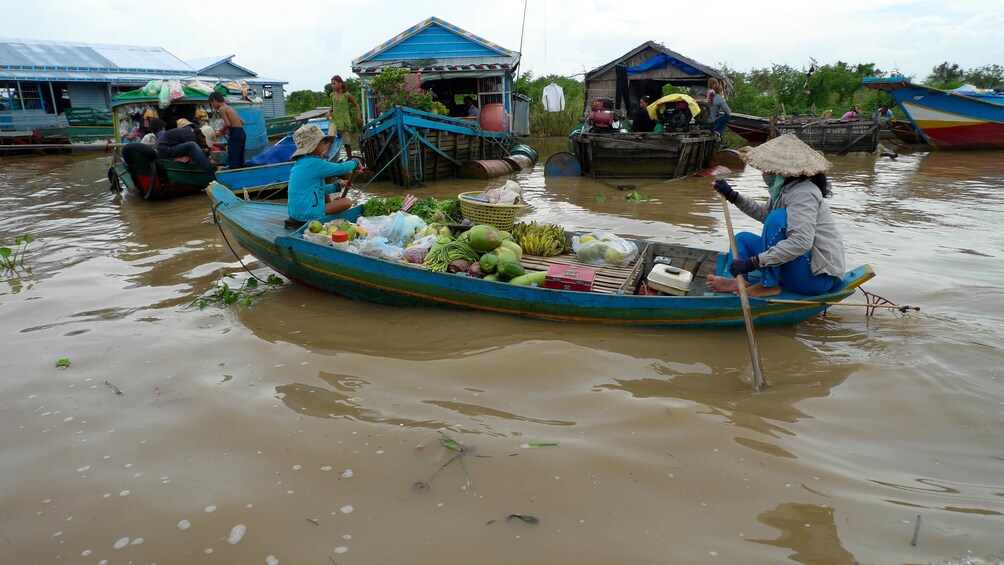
810, 226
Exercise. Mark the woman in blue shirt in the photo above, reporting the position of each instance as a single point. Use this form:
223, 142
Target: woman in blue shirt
310, 195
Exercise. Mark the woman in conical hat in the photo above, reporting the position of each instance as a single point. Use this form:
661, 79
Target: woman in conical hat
800, 249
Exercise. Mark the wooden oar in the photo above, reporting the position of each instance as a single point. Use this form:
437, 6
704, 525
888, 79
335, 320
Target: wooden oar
758, 382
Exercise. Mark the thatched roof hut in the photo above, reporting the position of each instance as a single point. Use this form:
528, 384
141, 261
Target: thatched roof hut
650, 66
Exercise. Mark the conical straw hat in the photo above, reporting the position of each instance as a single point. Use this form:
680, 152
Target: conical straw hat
788, 155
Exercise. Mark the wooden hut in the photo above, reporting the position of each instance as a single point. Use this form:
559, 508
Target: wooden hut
451, 63
644, 71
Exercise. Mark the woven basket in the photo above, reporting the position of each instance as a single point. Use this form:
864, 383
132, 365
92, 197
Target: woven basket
501, 216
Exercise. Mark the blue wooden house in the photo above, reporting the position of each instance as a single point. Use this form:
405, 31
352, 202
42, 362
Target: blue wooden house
411, 146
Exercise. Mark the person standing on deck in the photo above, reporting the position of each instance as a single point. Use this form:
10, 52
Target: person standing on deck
340, 115
233, 126
719, 112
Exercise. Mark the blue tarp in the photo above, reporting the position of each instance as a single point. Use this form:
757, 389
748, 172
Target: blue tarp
661, 61
281, 152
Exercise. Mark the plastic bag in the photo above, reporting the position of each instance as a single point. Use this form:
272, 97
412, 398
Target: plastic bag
373, 224
402, 228
379, 247
164, 96
602, 248
175, 87
152, 88
417, 251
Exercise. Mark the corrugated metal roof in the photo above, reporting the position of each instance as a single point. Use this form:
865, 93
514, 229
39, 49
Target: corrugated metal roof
59, 55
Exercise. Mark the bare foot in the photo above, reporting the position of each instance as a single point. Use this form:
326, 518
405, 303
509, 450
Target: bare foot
760, 291
723, 284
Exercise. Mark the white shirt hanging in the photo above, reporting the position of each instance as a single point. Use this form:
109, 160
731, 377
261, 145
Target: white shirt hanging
554, 98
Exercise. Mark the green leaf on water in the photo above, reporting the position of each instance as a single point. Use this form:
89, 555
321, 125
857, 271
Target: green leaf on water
63, 363
524, 517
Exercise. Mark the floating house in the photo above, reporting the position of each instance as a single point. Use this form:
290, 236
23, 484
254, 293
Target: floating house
648, 68
449, 63
613, 90
49, 84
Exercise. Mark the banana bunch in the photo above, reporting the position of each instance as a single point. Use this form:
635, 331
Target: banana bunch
542, 240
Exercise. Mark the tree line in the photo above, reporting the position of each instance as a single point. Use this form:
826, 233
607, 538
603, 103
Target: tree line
759, 91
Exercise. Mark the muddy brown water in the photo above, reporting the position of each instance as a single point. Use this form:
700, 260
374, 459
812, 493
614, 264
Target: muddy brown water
309, 428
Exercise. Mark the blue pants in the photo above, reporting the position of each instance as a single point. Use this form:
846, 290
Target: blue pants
796, 275
720, 123
235, 148
191, 150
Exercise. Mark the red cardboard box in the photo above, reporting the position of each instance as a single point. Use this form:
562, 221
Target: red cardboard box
565, 277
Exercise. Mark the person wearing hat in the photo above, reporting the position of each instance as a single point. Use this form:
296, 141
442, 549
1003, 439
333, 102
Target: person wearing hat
309, 195
182, 143
801, 249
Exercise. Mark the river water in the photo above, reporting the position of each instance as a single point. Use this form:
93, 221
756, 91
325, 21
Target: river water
310, 428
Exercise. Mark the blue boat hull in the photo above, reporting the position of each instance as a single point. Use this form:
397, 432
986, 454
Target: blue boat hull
258, 227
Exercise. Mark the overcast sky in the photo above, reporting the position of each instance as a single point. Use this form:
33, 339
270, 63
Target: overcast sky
305, 42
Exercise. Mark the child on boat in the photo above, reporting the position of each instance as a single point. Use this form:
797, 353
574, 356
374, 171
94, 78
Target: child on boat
310, 195
800, 249
233, 126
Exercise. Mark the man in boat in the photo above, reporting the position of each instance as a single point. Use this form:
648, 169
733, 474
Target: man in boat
182, 144
800, 248
642, 121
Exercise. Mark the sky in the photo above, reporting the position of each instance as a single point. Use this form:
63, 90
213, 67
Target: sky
305, 42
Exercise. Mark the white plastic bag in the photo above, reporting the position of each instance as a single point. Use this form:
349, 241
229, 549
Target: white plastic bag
602, 248
417, 251
379, 247
402, 228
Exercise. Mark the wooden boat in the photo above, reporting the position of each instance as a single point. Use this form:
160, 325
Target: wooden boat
949, 119
259, 227
408, 146
753, 129
642, 154
281, 126
829, 135
136, 166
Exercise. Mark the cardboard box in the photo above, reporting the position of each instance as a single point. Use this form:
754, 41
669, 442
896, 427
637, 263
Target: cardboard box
565, 277
671, 280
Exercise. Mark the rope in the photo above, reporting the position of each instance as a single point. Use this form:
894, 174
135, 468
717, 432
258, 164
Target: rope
216, 220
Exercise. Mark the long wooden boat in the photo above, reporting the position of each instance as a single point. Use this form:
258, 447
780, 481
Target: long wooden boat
137, 168
259, 227
281, 126
835, 135
408, 146
754, 129
642, 154
948, 119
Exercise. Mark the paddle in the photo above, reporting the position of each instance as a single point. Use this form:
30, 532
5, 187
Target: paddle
758, 382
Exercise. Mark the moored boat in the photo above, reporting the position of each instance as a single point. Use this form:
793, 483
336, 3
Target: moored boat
965, 118
260, 228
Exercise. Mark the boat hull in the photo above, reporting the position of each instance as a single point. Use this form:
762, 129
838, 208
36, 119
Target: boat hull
947, 119
642, 155
259, 228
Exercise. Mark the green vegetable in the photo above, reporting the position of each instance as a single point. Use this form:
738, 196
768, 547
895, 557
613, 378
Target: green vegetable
529, 279
509, 269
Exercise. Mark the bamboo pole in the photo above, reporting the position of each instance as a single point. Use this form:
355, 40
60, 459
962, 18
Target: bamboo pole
758, 381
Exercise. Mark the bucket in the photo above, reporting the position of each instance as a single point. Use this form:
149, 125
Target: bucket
493, 118
485, 169
523, 149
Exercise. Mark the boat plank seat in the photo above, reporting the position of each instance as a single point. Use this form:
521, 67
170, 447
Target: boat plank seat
608, 280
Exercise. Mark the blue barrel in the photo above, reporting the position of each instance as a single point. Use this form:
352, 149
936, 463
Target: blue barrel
522, 149
254, 127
